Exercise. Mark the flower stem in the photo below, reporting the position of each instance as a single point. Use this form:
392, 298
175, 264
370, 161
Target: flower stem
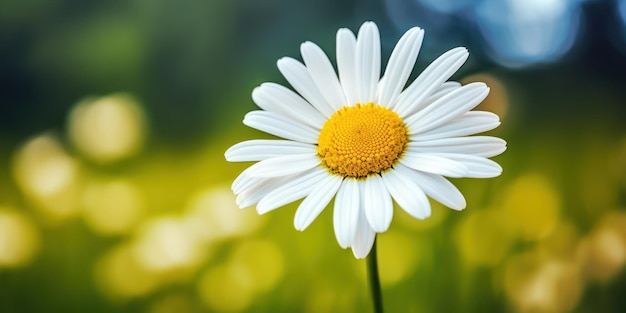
372, 270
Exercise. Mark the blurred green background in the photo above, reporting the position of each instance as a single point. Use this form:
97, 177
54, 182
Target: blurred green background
114, 192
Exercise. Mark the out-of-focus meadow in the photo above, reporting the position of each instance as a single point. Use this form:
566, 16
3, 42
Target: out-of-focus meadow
114, 192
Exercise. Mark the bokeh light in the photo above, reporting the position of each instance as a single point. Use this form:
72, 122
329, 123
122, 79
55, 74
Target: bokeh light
165, 244
603, 251
520, 33
484, 238
534, 284
213, 215
19, 238
48, 176
532, 206
107, 129
120, 276
112, 207
227, 288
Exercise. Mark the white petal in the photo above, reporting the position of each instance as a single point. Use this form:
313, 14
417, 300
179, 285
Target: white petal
477, 166
292, 190
447, 108
484, 146
430, 80
243, 181
472, 122
346, 212
277, 125
257, 189
364, 236
444, 89
441, 91
284, 165
346, 53
316, 201
400, 65
377, 204
279, 99
300, 79
261, 149
440, 189
367, 62
323, 74
433, 164
406, 192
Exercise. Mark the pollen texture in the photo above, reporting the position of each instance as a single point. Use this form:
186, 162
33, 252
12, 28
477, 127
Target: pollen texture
362, 140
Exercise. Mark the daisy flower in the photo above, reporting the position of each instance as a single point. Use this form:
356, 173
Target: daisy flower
363, 139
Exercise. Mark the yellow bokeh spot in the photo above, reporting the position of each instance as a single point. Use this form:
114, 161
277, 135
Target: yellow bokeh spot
264, 261
107, 129
483, 238
48, 176
165, 245
112, 207
119, 275
398, 255
213, 215
252, 268
603, 252
227, 288
532, 206
357, 141
19, 239
535, 284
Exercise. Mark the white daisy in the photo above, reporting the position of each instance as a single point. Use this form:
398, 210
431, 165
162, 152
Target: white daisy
362, 139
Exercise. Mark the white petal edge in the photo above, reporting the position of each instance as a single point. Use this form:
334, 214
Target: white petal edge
346, 212
400, 66
280, 99
346, 52
406, 192
484, 146
316, 201
243, 181
447, 108
292, 190
443, 90
300, 79
430, 80
323, 73
277, 125
284, 165
261, 149
477, 166
377, 204
440, 189
364, 236
367, 62
472, 122
257, 189
433, 164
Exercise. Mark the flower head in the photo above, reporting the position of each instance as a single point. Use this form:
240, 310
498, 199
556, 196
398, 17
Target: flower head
363, 139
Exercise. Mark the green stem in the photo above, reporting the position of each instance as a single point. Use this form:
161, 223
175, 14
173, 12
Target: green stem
372, 270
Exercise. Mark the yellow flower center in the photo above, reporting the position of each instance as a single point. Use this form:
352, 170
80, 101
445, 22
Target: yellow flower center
361, 140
